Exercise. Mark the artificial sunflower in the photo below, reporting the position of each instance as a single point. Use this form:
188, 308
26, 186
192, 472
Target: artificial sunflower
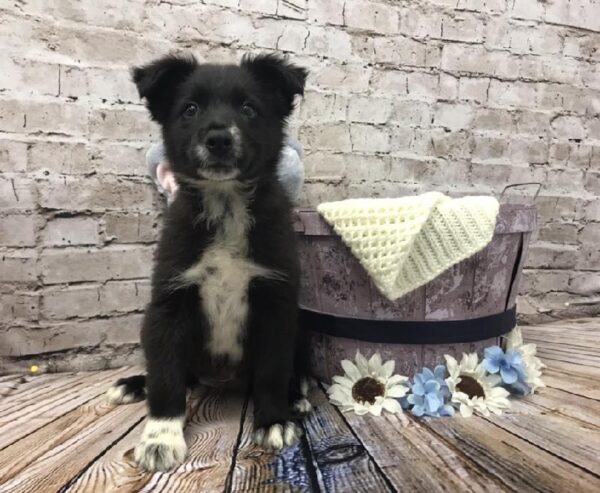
368, 386
472, 389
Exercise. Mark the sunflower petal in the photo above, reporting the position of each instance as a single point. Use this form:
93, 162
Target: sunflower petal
375, 364
351, 370
387, 369
397, 391
392, 406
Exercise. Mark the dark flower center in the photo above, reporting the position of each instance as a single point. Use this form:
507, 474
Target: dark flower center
470, 386
367, 389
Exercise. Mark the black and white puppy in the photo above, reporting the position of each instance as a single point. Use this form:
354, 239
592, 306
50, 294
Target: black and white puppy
225, 281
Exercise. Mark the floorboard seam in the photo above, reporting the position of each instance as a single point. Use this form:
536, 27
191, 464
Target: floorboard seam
69, 483
559, 457
378, 468
229, 480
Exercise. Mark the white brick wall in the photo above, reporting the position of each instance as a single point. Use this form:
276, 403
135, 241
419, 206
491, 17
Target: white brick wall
462, 96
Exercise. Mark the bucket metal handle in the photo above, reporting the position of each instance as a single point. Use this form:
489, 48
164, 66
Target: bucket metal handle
514, 185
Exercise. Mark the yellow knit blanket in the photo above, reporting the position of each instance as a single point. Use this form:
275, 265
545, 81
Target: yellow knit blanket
404, 243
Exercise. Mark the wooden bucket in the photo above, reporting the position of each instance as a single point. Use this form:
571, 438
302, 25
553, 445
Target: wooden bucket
465, 309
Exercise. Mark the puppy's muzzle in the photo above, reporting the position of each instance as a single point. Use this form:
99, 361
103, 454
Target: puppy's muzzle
219, 143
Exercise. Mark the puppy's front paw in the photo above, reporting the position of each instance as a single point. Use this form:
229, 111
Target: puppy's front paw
162, 446
277, 436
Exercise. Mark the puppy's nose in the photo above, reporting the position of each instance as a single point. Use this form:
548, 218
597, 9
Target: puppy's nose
219, 142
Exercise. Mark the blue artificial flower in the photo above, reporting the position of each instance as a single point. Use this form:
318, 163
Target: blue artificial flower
430, 394
510, 366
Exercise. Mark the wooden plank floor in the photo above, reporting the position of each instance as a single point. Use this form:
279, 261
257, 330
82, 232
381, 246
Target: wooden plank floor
58, 434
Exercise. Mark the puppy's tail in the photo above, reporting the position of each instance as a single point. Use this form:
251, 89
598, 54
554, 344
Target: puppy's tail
127, 390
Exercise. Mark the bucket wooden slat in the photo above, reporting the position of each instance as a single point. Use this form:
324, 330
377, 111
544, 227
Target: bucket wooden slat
334, 282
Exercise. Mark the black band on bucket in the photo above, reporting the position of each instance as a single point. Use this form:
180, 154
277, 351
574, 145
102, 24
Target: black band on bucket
411, 332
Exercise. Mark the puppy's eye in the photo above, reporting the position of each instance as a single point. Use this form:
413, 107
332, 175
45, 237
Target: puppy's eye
249, 110
190, 110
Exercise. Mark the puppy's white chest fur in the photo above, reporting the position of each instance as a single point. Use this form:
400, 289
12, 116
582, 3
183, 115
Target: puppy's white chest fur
224, 271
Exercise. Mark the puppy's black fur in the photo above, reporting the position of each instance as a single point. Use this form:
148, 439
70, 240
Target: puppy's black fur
223, 128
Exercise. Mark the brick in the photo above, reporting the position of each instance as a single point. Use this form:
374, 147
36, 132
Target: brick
582, 14
568, 127
325, 166
368, 138
28, 76
449, 145
75, 194
326, 137
344, 79
559, 233
114, 85
417, 24
128, 227
294, 9
589, 258
326, 12
465, 27
13, 156
19, 266
325, 42
570, 154
551, 256
499, 120
22, 341
419, 84
410, 141
71, 301
262, 6
369, 110
537, 281
123, 124
58, 157
532, 122
448, 87
120, 159
124, 296
17, 193
114, 262
488, 149
453, 116
399, 51
411, 113
369, 169
389, 82
18, 230
37, 116
19, 305
482, 5
585, 283
590, 234
323, 108
63, 231
531, 151
473, 89
564, 180
526, 9
512, 94
371, 16
592, 182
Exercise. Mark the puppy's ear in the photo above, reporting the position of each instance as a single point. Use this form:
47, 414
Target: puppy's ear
279, 75
158, 80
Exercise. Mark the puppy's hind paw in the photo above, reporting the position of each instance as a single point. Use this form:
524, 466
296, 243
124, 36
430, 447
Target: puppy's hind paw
122, 394
302, 406
276, 437
162, 447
